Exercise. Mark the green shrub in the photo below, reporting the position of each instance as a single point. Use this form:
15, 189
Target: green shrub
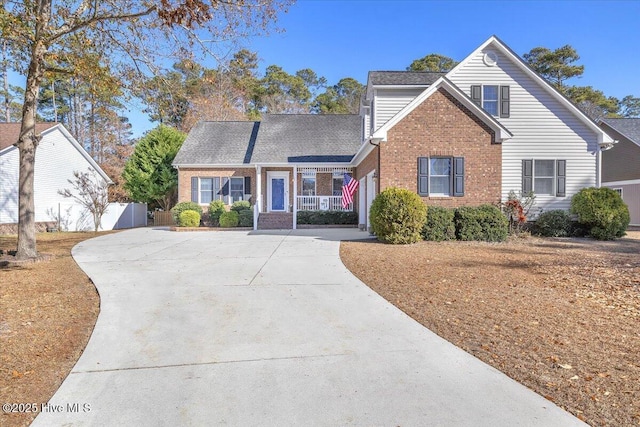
184, 206
484, 223
245, 218
439, 225
240, 205
397, 216
555, 223
189, 218
229, 219
602, 211
216, 208
327, 217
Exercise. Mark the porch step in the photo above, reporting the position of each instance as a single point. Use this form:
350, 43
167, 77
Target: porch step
275, 221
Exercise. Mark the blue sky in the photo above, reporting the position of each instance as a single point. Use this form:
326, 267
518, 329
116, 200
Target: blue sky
349, 38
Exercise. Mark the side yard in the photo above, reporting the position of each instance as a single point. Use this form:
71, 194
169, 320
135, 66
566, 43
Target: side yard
48, 312
561, 316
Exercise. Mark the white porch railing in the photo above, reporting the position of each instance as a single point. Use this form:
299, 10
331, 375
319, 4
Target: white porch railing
322, 203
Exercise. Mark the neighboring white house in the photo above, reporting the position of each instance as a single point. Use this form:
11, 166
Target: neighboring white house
57, 157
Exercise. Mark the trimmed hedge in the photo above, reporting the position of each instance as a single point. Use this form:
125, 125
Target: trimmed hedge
240, 205
602, 211
397, 216
189, 218
229, 219
554, 223
184, 206
216, 208
327, 218
439, 225
245, 218
484, 223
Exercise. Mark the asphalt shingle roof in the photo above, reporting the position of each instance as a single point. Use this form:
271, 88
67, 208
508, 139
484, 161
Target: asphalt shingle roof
627, 127
400, 78
9, 132
389, 78
282, 138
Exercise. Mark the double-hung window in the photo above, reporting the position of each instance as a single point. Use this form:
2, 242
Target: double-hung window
441, 176
337, 186
544, 177
236, 189
309, 186
494, 99
228, 189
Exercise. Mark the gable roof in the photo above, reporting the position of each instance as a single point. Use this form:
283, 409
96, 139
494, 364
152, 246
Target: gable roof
501, 132
495, 42
10, 132
629, 128
400, 78
277, 139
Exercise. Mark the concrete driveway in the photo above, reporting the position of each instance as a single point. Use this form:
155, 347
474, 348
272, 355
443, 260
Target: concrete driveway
266, 329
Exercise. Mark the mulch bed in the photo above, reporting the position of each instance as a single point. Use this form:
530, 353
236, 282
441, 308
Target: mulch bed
49, 309
561, 316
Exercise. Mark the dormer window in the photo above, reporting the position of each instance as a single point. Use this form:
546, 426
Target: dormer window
494, 99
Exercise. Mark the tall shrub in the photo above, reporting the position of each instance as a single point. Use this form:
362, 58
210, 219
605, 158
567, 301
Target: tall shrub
397, 216
602, 212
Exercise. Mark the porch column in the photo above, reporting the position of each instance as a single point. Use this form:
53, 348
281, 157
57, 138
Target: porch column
259, 187
295, 197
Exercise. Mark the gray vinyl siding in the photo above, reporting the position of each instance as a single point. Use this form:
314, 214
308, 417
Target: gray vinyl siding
631, 196
622, 162
388, 102
542, 128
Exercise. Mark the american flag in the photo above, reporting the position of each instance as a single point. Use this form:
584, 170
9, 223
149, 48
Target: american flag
349, 187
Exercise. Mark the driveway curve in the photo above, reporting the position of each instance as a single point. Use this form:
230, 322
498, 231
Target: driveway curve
266, 329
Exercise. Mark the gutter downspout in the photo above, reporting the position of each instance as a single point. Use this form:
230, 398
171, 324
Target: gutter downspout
378, 165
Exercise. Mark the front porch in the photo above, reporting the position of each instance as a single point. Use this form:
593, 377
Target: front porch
283, 191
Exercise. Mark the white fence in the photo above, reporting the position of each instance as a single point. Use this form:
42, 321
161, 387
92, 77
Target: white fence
73, 217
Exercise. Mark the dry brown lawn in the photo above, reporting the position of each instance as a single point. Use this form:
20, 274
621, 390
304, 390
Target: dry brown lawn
47, 313
561, 316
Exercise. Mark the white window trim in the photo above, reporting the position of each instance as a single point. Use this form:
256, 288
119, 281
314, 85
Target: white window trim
315, 185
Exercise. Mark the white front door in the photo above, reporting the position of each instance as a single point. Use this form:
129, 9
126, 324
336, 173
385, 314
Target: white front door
278, 191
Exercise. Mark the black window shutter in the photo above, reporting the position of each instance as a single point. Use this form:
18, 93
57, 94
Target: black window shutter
225, 190
423, 176
247, 185
561, 176
505, 102
216, 188
476, 95
194, 189
527, 176
458, 176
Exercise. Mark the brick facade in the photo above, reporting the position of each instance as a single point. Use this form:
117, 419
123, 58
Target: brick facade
441, 126
185, 175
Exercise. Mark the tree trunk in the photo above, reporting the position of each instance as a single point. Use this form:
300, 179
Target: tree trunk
27, 144
5, 72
